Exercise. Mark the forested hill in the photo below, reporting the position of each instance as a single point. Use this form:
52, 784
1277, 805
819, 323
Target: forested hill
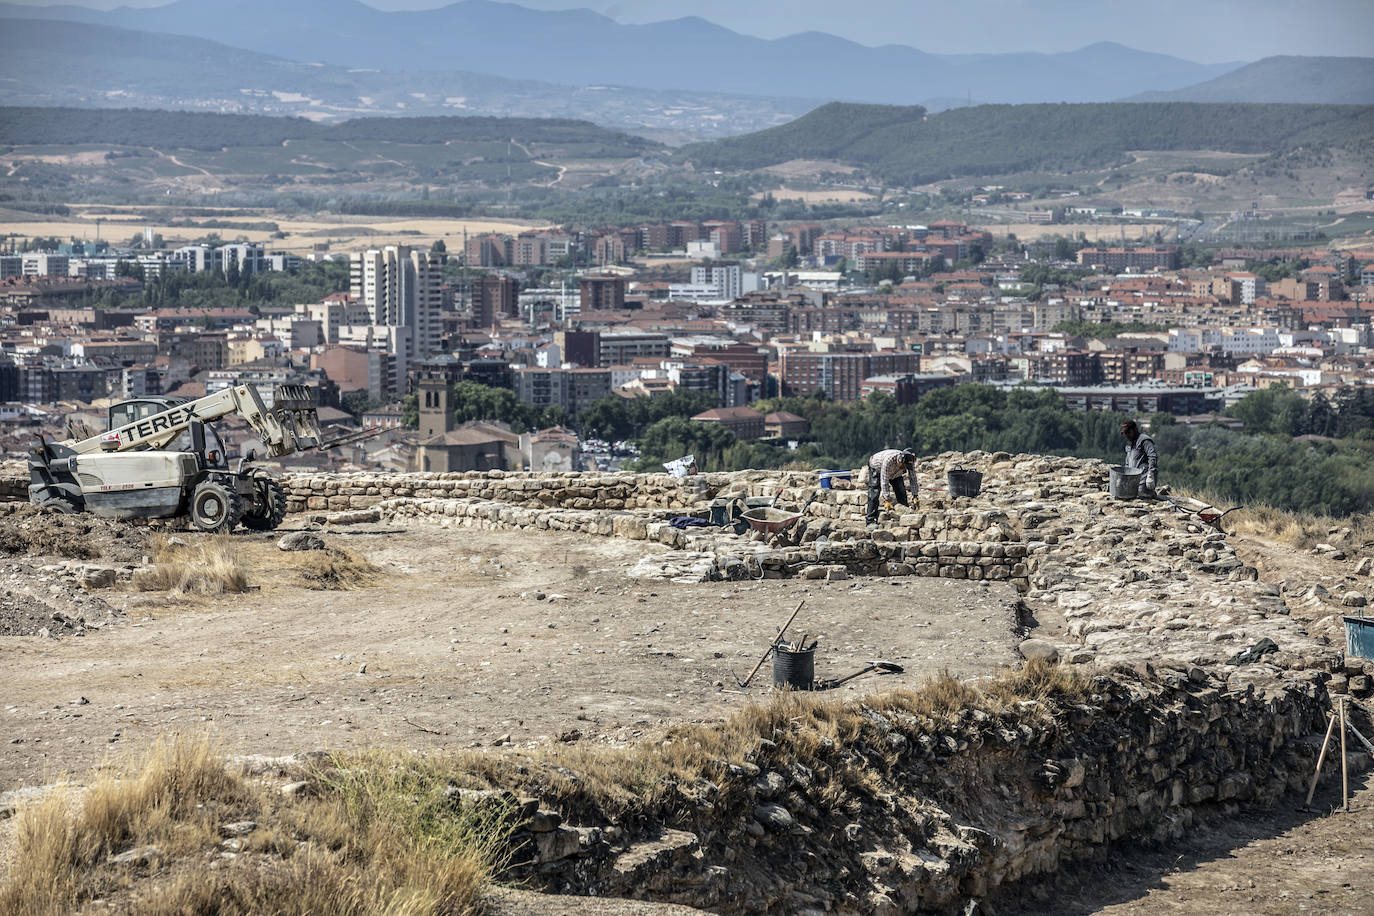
205, 131
907, 146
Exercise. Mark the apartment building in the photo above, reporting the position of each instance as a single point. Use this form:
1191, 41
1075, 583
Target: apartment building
618, 348
840, 375
489, 251
601, 293
400, 287
493, 298
1118, 259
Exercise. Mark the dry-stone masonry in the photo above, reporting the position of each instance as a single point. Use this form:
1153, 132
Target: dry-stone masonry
1134, 579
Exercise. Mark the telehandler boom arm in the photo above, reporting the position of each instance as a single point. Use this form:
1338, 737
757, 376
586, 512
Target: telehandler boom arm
290, 425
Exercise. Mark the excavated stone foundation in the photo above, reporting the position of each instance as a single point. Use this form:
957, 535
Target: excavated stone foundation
907, 810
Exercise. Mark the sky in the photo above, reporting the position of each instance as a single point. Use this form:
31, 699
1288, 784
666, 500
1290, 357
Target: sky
1206, 31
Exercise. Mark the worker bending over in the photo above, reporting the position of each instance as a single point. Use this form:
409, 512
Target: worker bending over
885, 472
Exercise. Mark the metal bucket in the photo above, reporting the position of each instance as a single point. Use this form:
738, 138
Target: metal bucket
1123, 484
1359, 637
964, 482
793, 670
720, 512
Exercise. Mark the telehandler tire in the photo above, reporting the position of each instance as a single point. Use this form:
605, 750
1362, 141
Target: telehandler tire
214, 507
273, 500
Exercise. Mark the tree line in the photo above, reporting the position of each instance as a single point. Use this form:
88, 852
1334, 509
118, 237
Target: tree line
1264, 463
1260, 465
29, 126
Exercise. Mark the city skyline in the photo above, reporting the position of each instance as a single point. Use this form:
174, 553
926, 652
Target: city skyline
1221, 30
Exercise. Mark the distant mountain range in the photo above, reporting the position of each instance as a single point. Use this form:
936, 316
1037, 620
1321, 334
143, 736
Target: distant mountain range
685, 79
582, 48
47, 63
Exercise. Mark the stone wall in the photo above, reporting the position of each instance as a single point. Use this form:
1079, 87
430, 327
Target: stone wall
950, 811
1133, 579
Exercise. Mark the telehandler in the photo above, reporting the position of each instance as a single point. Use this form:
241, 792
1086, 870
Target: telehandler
162, 459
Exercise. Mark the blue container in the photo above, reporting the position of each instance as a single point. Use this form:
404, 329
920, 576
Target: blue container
1359, 637
828, 476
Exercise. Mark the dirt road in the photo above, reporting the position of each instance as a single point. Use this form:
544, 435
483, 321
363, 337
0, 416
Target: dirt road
455, 649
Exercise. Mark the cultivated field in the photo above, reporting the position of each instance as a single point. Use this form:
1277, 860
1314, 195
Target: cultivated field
341, 233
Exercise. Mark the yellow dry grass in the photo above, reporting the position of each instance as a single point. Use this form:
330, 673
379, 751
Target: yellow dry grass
334, 569
208, 566
1303, 530
345, 233
805, 727
381, 835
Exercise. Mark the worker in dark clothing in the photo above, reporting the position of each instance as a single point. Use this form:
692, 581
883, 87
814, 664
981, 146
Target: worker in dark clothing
886, 470
1141, 456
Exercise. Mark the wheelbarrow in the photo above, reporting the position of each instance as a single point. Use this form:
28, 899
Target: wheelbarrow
1206, 513
772, 520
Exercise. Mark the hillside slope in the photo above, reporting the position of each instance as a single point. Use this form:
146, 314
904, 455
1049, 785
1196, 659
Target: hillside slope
906, 146
1311, 80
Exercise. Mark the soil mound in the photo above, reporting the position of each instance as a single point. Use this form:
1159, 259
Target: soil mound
27, 530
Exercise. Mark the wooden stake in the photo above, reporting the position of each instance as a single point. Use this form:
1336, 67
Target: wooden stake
1321, 758
1345, 780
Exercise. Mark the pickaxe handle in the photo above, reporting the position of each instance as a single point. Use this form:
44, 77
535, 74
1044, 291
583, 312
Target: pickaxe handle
795, 611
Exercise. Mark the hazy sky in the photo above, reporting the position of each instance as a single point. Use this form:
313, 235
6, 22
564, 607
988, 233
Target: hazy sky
1208, 31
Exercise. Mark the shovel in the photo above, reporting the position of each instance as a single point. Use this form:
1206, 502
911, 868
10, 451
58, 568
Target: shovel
884, 667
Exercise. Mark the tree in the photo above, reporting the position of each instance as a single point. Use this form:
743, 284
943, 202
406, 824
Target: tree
358, 403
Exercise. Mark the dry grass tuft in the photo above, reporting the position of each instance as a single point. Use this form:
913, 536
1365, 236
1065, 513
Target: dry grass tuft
210, 566
810, 728
1040, 681
381, 834
1302, 530
62, 842
335, 569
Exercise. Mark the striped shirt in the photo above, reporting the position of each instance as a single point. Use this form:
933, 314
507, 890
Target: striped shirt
887, 464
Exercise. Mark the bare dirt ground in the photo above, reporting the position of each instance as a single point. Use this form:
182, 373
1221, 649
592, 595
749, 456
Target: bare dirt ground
454, 649
822, 196
1276, 863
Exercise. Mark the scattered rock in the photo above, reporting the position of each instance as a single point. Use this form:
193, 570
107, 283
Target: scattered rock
1354, 599
237, 828
1033, 649
357, 517
300, 540
774, 817
140, 855
94, 577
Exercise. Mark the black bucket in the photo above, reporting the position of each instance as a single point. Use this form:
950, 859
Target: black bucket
793, 670
964, 482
